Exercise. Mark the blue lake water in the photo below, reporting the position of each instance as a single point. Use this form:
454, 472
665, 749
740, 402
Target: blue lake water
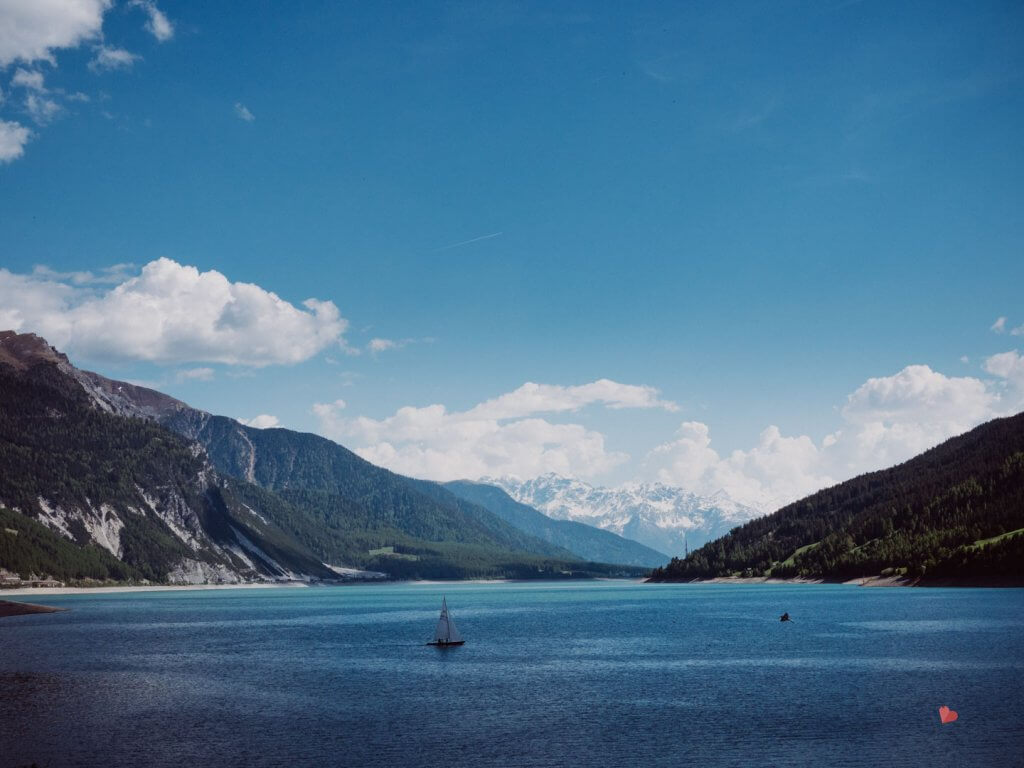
553, 674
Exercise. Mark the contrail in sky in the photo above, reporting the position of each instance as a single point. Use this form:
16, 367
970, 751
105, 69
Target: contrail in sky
467, 242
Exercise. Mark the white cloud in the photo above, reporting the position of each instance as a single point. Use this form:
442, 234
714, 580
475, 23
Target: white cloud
194, 374
1009, 366
116, 273
157, 24
548, 398
886, 420
39, 105
41, 108
999, 326
1018, 331
170, 313
243, 113
31, 30
497, 437
377, 345
774, 471
109, 58
31, 79
381, 345
35, 30
263, 421
13, 138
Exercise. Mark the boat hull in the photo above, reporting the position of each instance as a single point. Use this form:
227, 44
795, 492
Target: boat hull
439, 644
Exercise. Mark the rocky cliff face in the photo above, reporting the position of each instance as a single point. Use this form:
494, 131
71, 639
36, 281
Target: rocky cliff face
182, 495
82, 455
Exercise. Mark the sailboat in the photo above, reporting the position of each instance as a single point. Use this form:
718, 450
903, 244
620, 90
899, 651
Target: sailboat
446, 634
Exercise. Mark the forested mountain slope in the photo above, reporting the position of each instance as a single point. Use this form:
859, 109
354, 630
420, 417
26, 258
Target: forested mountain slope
176, 494
956, 512
127, 486
300, 466
341, 506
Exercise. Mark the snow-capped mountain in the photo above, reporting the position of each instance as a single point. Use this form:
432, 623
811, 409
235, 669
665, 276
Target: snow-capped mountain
654, 514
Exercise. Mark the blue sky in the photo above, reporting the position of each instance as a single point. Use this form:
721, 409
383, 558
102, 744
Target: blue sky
753, 208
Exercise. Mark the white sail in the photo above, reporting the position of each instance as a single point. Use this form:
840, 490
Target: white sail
453, 633
446, 631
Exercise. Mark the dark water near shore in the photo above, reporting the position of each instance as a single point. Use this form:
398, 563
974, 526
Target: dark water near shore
581, 674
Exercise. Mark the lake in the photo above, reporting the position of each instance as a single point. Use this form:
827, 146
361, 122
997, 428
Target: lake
553, 674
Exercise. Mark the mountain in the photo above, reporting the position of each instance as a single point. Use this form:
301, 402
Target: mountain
381, 509
955, 512
662, 517
172, 493
582, 540
123, 485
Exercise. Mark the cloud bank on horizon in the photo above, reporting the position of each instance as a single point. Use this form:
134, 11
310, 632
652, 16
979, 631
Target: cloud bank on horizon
169, 314
887, 420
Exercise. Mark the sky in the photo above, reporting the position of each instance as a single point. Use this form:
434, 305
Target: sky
753, 246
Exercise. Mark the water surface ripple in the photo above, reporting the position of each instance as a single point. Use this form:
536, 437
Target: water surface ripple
553, 674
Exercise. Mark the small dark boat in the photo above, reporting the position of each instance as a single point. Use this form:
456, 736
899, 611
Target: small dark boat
784, 617
446, 635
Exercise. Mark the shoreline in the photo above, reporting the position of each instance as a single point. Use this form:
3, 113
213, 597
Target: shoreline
122, 588
115, 589
862, 581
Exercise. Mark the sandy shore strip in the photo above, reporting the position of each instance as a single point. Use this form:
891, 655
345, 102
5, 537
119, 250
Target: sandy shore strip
142, 588
8, 608
752, 580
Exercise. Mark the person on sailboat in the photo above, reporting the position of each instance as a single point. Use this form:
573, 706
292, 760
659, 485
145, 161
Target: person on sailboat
784, 617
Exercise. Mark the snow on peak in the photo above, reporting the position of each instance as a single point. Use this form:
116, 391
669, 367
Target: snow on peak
664, 517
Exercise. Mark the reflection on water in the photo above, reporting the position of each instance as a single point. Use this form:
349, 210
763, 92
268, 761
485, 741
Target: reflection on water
587, 674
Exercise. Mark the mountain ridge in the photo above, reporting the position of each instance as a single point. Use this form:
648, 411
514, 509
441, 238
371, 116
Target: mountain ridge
584, 540
184, 495
953, 513
665, 518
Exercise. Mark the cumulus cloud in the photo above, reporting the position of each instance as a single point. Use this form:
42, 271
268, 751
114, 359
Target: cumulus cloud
109, 58
242, 112
13, 138
999, 326
775, 470
34, 31
886, 420
549, 398
41, 108
31, 30
195, 374
382, 345
157, 23
170, 313
39, 105
263, 421
115, 273
497, 437
1009, 367
28, 78
1018, 331
377, 345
